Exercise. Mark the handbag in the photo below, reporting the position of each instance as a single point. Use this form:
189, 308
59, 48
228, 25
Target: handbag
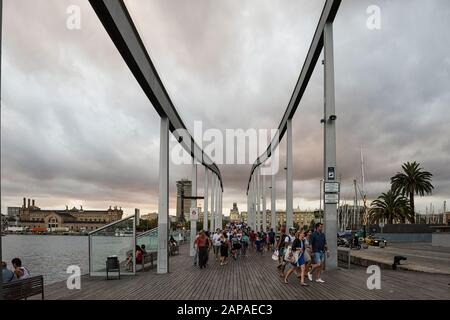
275, 255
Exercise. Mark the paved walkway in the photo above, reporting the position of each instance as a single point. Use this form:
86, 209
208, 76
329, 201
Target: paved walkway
252, 277
422, 257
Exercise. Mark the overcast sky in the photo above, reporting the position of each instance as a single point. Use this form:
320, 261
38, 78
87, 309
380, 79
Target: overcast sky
76, 128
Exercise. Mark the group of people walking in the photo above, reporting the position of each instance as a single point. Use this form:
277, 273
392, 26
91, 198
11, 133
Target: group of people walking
232, 241
299, 252
302, 253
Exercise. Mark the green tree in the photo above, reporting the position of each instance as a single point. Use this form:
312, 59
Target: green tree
391, 205
412, 181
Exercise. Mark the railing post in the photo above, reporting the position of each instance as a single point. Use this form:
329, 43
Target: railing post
289, 177
193, 205
205, 205
163, 205
330, 209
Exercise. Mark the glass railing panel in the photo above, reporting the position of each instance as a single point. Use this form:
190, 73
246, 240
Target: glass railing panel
116, 239
149, 239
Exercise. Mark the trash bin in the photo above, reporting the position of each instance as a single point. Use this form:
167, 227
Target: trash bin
112, 264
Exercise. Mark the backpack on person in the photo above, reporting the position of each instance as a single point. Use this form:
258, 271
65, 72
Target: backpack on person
281, 244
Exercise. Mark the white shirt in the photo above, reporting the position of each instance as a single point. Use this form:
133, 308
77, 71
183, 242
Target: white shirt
25, 275
216, 239
288, 239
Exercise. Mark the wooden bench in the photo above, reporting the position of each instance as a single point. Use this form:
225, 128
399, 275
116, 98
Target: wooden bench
149, 257
22, 289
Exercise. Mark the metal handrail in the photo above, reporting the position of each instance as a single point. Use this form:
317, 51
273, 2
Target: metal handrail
329, 12
109, 225
119, 24
154, 230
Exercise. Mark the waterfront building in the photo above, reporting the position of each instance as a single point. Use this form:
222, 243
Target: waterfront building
301, 218
234, 213
13, 212
244, 216
184, 189
150, 216
35, 218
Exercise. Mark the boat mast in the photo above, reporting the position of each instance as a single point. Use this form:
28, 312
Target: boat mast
364, 195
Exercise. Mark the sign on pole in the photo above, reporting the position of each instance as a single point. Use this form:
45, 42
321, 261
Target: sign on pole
194, 214
331, 198
331, 187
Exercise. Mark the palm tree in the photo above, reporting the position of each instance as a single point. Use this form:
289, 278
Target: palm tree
413, 180
391, 205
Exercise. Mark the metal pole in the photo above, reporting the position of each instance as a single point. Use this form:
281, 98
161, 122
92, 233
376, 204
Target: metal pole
330, 213
193, 205
258, 200
1, 230
355, 204
320, 202
253, 225
216, 201
221, 209
216, 222
289, 178
249, 207
213, 193
273, 203
264, 213
205, 205
163, 205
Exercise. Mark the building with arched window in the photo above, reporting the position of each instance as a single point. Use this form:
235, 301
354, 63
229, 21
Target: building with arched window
33, 217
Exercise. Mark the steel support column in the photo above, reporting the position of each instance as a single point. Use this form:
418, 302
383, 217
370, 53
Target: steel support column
258, 200
213, 195
220, 208
330, 213
1, 230
163, 204
193, 205
253, 224
217, 211
264, 213
273, 203
205, 204
289, 178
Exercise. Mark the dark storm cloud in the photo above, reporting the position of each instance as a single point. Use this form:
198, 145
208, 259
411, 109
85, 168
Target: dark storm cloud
75, 124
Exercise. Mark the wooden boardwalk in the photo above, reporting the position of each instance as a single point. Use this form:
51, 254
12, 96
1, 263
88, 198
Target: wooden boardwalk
253, 277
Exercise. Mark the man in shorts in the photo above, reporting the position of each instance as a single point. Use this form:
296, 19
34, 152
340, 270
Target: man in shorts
318, 249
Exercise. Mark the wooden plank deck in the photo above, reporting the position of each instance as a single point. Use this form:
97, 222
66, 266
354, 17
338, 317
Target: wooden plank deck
253, 277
